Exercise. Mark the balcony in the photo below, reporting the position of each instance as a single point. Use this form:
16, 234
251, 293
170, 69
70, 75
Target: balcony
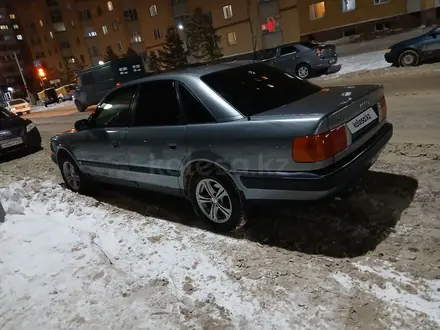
180, 8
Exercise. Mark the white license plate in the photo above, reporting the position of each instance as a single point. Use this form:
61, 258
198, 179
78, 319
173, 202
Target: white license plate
332, 61
11, 143
361, 121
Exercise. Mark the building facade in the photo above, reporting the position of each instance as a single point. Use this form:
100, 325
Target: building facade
65, 33
11, 41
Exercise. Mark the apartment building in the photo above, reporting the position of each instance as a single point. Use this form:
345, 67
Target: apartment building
63, 33
333, 19
11, 39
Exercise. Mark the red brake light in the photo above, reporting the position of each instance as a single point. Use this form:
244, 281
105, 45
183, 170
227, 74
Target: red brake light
118, 83
318, 52
315, 148
383, 110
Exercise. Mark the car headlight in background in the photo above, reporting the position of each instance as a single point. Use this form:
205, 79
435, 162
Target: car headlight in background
30, 127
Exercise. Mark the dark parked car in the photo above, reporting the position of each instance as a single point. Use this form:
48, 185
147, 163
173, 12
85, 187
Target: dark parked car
302, 59
95, 82
416, 50
227, 133
17, 133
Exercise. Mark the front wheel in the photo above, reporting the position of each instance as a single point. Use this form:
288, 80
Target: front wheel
72, 176
409, 58
303, 71
216, 200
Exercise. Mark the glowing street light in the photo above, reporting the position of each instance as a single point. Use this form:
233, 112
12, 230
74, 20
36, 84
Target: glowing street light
41, 72
101, 62
180, 26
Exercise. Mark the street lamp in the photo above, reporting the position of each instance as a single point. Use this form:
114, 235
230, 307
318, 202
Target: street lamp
10, 89
180, 26
101, 62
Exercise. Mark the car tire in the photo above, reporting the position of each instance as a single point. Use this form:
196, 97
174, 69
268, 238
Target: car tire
60, 100
73, 178
216, 200
409, 58
303, 70
81, 107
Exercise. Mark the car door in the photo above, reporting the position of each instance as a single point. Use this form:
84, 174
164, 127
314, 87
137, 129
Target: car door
288, 58
156, 141
431, 46
103, 149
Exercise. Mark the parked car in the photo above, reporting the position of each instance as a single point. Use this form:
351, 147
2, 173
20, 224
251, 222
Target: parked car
17, 133
48, 96
95, 82
18, 106
65, 93
415, 51
302, 59
225, 134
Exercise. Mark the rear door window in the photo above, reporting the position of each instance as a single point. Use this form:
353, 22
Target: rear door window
287, 50
256, 88
195, 111
157, 104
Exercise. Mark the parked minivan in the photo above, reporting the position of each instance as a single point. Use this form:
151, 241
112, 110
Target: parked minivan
95, 82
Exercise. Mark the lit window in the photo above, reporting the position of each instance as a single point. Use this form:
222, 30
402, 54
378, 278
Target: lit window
120, 46
92, 34
41, 22
110, 5
232, 38
4, 27
51, 34
227, 11
59, 27
153, 10
73, 23
19, 37
104, 29
16, 26
317, 10
12, 16
379, 2
348, 5
8, 37
136, 37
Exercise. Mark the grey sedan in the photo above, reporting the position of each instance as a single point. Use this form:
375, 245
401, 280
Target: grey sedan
226, 134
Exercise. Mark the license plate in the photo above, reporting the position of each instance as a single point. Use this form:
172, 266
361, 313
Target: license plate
362, 120
11, 143
332, 61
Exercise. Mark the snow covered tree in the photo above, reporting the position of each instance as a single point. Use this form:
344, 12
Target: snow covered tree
173, 55
154, 64
202, 40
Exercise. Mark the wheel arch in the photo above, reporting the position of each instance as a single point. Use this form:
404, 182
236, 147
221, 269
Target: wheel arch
64, 152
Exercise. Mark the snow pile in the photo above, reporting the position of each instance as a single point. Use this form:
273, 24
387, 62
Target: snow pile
361, 62
66, 262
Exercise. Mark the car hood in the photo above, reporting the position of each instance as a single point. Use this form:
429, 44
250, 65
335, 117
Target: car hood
13, 122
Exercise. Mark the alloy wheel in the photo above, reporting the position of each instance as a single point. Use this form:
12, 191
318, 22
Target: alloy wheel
71, 176
303, 72
408, 59
213, 200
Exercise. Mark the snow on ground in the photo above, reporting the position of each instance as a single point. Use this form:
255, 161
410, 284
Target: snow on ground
68, 261
361, 62
54, 106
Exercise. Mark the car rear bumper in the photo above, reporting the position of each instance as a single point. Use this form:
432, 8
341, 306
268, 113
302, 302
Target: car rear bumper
319, 184
31, 140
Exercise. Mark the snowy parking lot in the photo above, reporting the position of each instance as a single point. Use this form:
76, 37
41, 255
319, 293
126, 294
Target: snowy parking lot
128, 259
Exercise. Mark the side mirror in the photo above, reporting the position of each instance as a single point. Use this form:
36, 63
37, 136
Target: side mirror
81, 125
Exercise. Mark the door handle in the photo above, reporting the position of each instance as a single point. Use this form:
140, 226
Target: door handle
116, 144
172, 146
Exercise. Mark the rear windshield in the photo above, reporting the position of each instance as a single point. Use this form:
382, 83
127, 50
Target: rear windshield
17, 101
256, 88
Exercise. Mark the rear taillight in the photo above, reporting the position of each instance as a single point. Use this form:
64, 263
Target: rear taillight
318, 52
382, 106
315, 148
118, 83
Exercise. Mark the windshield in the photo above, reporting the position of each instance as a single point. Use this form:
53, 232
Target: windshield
256, 88
17, 101
5, 114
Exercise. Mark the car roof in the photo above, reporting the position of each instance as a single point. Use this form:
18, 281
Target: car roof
194, 71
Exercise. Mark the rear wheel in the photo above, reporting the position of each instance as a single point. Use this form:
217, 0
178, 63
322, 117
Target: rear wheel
216, 200
409, 58
303, 71
72, 176
81, 107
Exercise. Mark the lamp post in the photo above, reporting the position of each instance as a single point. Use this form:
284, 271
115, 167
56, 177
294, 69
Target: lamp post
22, 77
